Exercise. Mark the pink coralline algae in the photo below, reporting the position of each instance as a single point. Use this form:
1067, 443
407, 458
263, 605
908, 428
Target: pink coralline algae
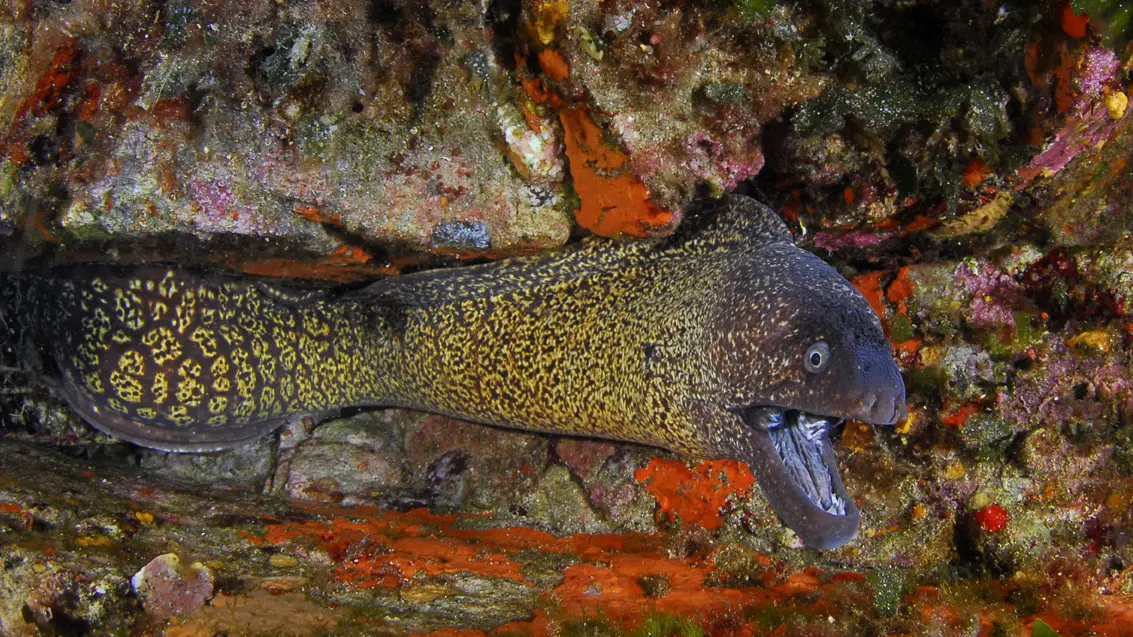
834, 241
1098, 72
708, 158
1090, 123
1078, 135
217, 202
1069, 388
1112, 385
994, 293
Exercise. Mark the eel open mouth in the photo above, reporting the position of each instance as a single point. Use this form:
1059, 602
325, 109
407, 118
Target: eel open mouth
794, 463
798, 438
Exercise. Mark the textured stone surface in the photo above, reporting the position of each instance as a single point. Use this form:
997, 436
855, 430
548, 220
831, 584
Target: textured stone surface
166, 587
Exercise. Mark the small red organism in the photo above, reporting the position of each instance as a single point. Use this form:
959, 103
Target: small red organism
960, 416
993, 518
553, 64
1073, 24
869, 284
974, 173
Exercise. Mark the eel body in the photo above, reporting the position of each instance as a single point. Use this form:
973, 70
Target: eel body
724, 340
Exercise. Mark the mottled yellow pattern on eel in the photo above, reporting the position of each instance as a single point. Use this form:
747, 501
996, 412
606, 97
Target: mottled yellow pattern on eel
639, 341
699, 343
181, 350
154, 355
180, 353
553, 353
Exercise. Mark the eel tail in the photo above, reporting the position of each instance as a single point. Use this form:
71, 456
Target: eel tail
173, 360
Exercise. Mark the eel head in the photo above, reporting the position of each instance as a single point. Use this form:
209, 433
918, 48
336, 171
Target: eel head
801, 350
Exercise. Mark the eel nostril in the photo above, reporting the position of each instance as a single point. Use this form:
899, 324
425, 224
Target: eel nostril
868, 402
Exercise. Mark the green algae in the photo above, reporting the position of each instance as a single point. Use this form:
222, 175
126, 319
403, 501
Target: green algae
653, 625
1114, 18
755, 9
988, 435
879, 111
316, 134
14, 58
935, 303
1123, 449
171, 76
594, 626
8, 179
726, 93
294, 59
901, 328
465, 599
986, 113
770, 616
849, 37
665, 625
544, 570
914, 93
888, 586
971, 599
1029, 329
925, 382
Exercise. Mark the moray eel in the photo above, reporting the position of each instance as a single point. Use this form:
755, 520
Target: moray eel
724, 340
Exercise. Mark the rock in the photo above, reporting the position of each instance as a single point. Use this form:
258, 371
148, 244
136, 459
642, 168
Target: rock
560, 504
355, 459
584, 457
165, 588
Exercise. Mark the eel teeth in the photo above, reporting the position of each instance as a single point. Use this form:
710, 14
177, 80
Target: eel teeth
798, 438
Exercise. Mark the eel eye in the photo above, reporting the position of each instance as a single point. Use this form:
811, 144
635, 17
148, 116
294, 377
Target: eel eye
816, 357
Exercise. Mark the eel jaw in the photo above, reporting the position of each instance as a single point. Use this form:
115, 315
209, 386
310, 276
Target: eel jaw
789, 452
